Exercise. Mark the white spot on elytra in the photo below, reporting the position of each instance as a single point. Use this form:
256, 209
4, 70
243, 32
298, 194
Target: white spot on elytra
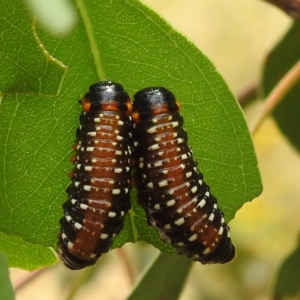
194, 189
77, 225
171, 202
188, 174
157, 206
92, 133
150, 185
179, 221
202, 203
163, 183
118, 170
206, 251
87, 188
155, 165
152, 129
193, 237
83, 206
70, 245
211, 217
154, 147
68, 218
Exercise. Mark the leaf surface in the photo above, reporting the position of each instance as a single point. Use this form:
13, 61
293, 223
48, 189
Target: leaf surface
26, 65
126, 42
25, 255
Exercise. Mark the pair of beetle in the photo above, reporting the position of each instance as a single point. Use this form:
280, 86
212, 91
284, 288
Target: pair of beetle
178, 203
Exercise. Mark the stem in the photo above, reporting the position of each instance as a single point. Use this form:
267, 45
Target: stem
248, 94
277, 94
28, 278
123, 257
291, 7
92, 39
79, 281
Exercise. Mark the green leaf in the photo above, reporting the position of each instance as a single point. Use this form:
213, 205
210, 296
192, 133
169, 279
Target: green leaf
287, 284
163, 279
25, 64
26, 255
36, 135
279, 62
135, 229
126, 42
6, 290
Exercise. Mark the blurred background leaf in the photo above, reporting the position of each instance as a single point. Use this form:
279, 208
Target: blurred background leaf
278, 63
6, 291
164, 278
288, 279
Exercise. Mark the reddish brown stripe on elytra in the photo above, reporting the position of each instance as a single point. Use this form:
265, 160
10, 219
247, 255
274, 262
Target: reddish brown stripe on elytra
171, 189
98, 197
